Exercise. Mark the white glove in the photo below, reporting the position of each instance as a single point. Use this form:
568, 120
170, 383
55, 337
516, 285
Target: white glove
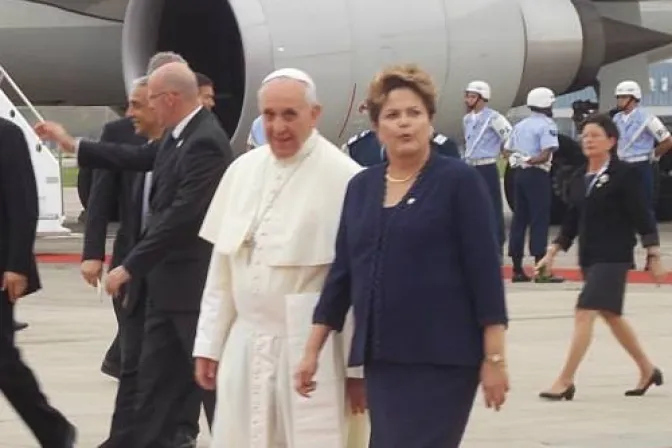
518, 160
515, 160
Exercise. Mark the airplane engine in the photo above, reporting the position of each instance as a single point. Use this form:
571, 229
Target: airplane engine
342, 44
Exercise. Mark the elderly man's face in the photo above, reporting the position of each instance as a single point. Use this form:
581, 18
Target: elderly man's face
161, 100
143, 116
289, 118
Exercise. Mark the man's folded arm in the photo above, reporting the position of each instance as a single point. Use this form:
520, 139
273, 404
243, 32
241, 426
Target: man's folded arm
103, 196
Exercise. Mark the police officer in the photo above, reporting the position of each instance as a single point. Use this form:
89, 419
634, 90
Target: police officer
485, 132
643, 137
365, 149
531, 146
257, 135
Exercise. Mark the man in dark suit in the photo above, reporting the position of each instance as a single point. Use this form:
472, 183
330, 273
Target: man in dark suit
206, 90
186, 168
111, 195
18, 226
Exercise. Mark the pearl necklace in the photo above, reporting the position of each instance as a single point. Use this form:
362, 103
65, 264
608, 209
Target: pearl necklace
394, 180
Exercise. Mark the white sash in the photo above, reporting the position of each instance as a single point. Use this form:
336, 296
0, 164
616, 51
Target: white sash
319, 421
470, 150
324, 420
635, 136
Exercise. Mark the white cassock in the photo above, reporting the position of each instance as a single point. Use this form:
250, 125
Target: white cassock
273, 224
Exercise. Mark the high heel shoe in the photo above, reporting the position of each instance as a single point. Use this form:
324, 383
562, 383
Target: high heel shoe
567, 394
656, 378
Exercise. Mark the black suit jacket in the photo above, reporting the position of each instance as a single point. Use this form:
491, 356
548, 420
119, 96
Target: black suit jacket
186, 173
112, 194
18, 206
607, 220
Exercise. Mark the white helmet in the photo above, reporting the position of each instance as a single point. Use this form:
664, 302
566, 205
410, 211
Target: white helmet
479, 87
541, 97
629, 88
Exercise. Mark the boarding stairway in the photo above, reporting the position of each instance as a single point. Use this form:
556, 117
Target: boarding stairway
46, 166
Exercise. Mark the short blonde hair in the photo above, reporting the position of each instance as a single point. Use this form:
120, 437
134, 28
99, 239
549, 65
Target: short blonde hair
407, 76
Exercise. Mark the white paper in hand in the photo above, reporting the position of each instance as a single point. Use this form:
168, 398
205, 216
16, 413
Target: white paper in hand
99, 289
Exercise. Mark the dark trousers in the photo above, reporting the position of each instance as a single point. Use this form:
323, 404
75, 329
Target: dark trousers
531, 208
20, 387
490, 175
184, 419
645, 170
419, 406
168, 400
113, 354
130, 338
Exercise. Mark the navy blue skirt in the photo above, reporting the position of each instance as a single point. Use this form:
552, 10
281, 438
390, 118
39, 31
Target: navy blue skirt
419, 406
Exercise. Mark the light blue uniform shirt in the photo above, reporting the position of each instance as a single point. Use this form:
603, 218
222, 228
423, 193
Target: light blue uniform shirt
484, 133
639, 132
532, 135
257, 134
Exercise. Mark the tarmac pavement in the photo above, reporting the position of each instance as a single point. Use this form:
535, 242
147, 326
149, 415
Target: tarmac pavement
70, 329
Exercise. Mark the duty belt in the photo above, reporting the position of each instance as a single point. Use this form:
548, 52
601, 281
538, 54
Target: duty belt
480, 162
636, 159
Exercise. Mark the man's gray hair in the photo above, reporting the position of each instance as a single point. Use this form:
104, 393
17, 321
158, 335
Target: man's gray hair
296, 75
162, 58
141, 82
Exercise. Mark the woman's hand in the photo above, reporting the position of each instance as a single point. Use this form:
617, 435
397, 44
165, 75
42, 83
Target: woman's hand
495, 384
546, 263
303, 378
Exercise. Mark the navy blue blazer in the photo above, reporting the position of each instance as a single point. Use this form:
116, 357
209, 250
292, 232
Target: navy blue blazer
424, 281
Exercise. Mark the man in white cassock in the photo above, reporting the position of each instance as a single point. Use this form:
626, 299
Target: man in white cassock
273, 224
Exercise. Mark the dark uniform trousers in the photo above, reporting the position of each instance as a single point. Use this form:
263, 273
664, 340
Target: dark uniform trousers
490, 175
645, 170
532, 208
20, 387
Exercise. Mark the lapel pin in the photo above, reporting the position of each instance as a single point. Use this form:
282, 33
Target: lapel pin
410, 201
180, 143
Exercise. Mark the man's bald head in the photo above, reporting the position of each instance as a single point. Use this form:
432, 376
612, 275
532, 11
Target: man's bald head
175, 77
173, 92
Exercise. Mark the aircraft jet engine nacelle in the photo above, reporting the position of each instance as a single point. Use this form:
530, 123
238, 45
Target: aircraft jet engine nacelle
515, 45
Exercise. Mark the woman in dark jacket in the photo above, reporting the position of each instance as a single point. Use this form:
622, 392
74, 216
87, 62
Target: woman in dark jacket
417, 259
607, 210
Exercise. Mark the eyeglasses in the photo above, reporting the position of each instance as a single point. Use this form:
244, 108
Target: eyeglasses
155, 96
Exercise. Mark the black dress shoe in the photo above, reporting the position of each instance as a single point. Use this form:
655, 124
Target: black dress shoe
656, 378
111, 369
520, 277
18, 326
567, 394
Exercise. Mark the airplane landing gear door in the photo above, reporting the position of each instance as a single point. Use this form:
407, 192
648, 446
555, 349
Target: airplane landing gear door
46, 166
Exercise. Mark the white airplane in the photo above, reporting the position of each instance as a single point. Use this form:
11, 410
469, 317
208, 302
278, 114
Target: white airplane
87, 52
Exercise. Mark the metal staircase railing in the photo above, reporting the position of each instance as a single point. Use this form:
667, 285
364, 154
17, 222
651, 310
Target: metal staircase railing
47, 167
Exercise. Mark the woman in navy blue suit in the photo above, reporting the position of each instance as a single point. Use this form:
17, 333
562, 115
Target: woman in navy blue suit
417, 259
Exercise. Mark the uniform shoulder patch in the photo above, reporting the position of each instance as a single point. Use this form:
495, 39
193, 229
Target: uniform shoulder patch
357, 137
440, 139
